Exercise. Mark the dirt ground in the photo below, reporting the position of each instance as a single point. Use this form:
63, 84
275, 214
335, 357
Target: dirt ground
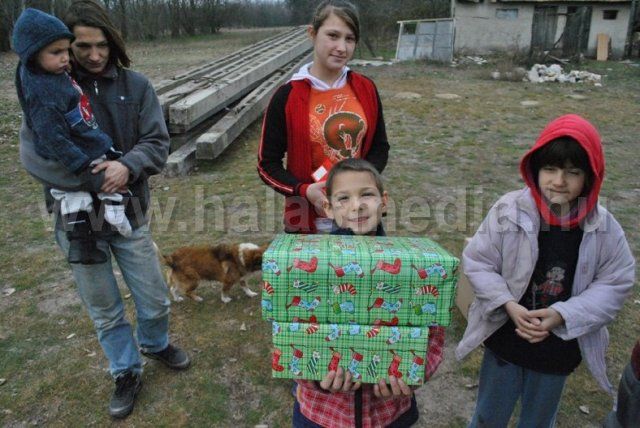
451, 155
447, 394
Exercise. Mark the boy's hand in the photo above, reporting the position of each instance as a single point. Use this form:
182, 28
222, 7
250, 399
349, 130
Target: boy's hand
338, 381
116, 176
316, 195
398, 388
527, 326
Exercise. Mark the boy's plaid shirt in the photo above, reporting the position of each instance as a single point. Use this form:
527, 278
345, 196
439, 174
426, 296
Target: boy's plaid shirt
333, 410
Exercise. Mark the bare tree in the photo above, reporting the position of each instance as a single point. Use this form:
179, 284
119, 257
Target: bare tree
379, 19
11, 9
301, 10
8, 14
123, 18
150, 19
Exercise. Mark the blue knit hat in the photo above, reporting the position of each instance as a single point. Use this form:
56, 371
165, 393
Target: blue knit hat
34, 30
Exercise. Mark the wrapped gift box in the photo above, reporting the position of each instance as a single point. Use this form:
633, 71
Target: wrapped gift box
358, 279
364, 303
370, 353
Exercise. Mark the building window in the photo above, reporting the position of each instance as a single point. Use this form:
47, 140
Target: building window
609, 15
507, 13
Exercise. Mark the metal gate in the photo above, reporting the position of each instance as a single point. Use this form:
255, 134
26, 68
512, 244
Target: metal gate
425, 38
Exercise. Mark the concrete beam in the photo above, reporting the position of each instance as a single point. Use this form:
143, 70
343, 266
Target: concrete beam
193, 73
214, 141
196, 107
182, 161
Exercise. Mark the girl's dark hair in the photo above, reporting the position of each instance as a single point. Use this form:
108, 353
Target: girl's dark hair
89, 13
356, 165
340, 8
559, 153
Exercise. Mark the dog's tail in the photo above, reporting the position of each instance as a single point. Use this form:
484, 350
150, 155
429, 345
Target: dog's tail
168, 260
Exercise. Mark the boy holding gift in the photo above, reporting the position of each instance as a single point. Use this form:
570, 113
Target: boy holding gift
356, 201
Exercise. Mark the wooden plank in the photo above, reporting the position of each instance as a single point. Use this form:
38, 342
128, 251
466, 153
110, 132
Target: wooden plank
202, 82
182, 161
185, 84
179, 140
207, 105
213, 142
603, 41
196, 107
216, 139
229, 85
182, 78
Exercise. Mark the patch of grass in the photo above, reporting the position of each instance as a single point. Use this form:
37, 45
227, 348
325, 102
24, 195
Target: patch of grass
165, 57
457, 422
470, 366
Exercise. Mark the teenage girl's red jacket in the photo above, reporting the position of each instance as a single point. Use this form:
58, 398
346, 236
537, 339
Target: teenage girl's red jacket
285, 129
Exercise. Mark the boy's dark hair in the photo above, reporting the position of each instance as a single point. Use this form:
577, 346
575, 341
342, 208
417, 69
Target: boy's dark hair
557, 153
340, 8
89, 13
356, 165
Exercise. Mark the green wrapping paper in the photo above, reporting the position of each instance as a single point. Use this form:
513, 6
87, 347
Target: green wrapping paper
370, 353
364, 303
358, 279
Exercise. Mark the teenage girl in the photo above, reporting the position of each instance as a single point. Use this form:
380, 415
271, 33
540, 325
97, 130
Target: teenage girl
324, 114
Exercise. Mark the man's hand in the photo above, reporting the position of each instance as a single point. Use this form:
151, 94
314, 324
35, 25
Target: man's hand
398, 388
338, 381
316, 195
116, 176
527, 325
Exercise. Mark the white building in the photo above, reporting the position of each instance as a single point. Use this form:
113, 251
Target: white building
567, 27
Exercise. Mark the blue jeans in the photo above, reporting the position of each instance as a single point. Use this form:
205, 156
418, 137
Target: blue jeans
99, 292
503, 383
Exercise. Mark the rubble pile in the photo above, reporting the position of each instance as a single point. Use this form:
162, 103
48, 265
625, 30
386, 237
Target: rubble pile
541, 73
477, 60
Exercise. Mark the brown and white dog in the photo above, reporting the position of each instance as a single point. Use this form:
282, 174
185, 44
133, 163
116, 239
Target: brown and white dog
226, 263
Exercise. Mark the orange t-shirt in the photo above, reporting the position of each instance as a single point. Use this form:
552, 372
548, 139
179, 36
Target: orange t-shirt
337, 125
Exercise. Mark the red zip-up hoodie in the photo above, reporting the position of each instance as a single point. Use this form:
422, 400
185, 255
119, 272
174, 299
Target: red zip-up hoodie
581, 130
285, 129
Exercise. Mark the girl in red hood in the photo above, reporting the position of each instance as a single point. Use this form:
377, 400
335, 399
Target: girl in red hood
569, 145
537, 314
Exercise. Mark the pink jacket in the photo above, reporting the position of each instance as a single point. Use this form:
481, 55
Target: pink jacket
500, 260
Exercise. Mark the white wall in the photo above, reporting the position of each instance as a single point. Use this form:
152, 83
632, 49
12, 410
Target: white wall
617, 29
478, 29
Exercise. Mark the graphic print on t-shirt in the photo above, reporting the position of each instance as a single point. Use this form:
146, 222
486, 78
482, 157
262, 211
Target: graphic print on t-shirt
337, 125
84, 107
546, 291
